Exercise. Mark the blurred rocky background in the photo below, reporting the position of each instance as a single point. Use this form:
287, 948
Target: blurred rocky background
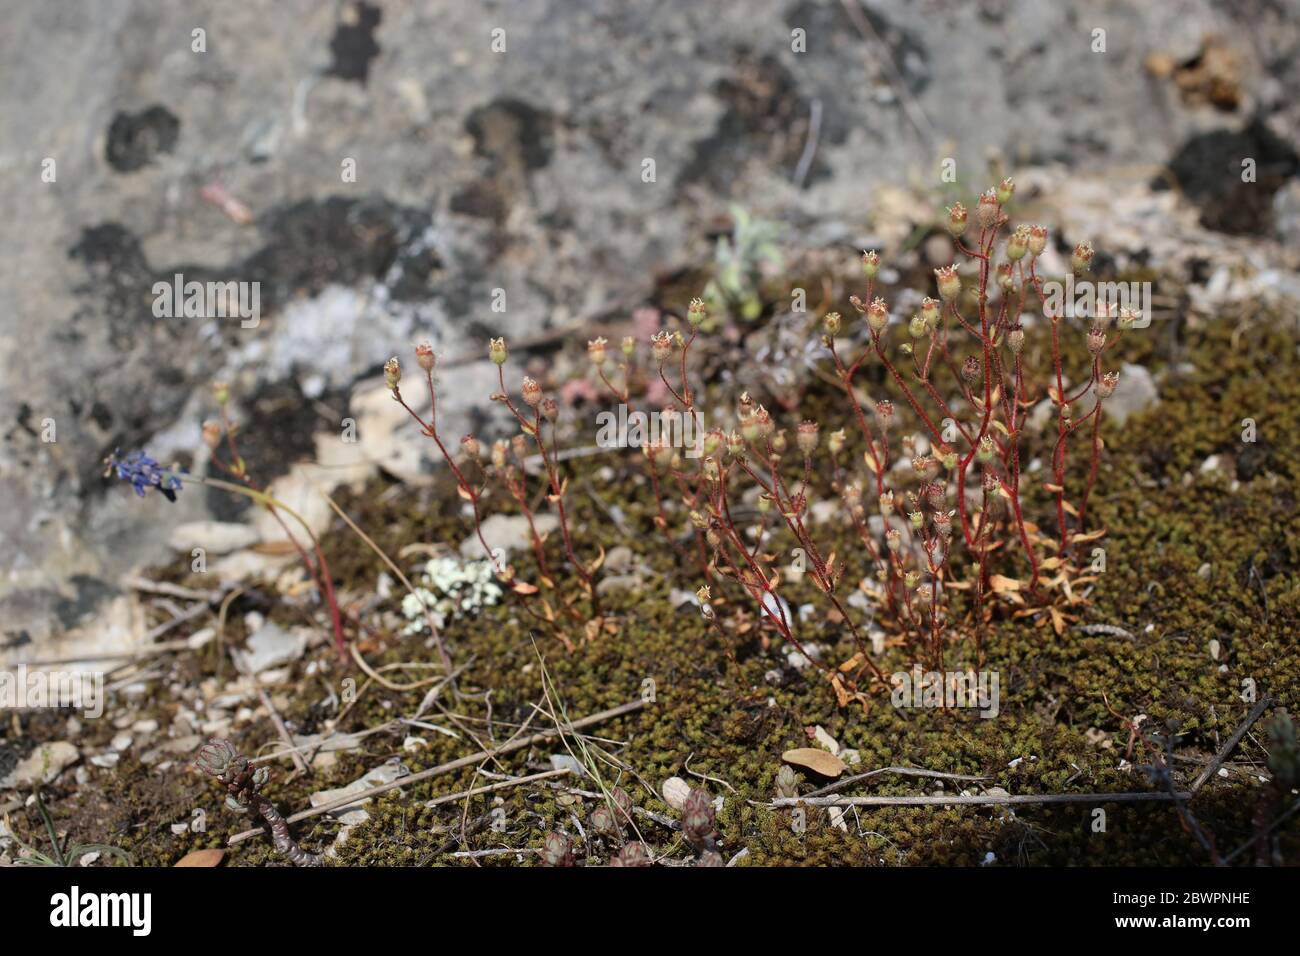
500, 155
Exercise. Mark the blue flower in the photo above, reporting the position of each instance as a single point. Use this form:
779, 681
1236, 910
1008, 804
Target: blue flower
143, 473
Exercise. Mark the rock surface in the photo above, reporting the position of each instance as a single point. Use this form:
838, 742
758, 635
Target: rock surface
384, 189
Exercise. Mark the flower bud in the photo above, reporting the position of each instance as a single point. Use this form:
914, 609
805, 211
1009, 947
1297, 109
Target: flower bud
596, 351
972, 369
531, 391
696, 313
471, 447
392, 373
1006, 189
1127, 319
1096, 341
699, 827
211, 434
877, 314
497, 351
986, 213
1106, 387
1006, 278
925, 466
917, 519
632, 853
949, 282
424, 357
499, 449
870, 264
885, 411
894, 539
1016, 339
519, 447
806, 438
911, 578
220, 393
779, 444
1018, 244
1037, 240
917, 328
886, 502
831, 323
735, 444
986, 450
557, 850
957, 219
629, 346
1081, 259
550, 409
661, 345
949, 460
836, 441
943, 523
930, 312
763, 421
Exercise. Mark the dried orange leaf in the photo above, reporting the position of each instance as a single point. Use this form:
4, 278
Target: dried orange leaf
1058, 622
999, 583
209, 857
815, 759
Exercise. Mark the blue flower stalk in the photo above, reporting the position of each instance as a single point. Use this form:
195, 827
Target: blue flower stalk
143, 473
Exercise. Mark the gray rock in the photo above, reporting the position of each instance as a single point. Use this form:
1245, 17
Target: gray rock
41, 766
215, 537
271, 646
507, 532
353, 814
475, 172
1136, 392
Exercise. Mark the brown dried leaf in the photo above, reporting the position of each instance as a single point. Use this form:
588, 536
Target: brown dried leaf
1058, 621
210, 857
1000, 583
814, 758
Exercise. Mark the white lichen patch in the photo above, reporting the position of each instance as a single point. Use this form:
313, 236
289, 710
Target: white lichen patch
451, 590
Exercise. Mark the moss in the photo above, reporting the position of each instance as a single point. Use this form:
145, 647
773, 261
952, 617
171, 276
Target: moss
1057, 730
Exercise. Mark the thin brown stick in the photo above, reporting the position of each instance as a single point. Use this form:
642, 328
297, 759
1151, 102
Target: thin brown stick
994, 800
503, 785
1213, 766
904, 771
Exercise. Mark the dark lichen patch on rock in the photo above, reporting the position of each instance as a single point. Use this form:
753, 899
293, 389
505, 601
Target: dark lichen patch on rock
353, 46
135, 140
